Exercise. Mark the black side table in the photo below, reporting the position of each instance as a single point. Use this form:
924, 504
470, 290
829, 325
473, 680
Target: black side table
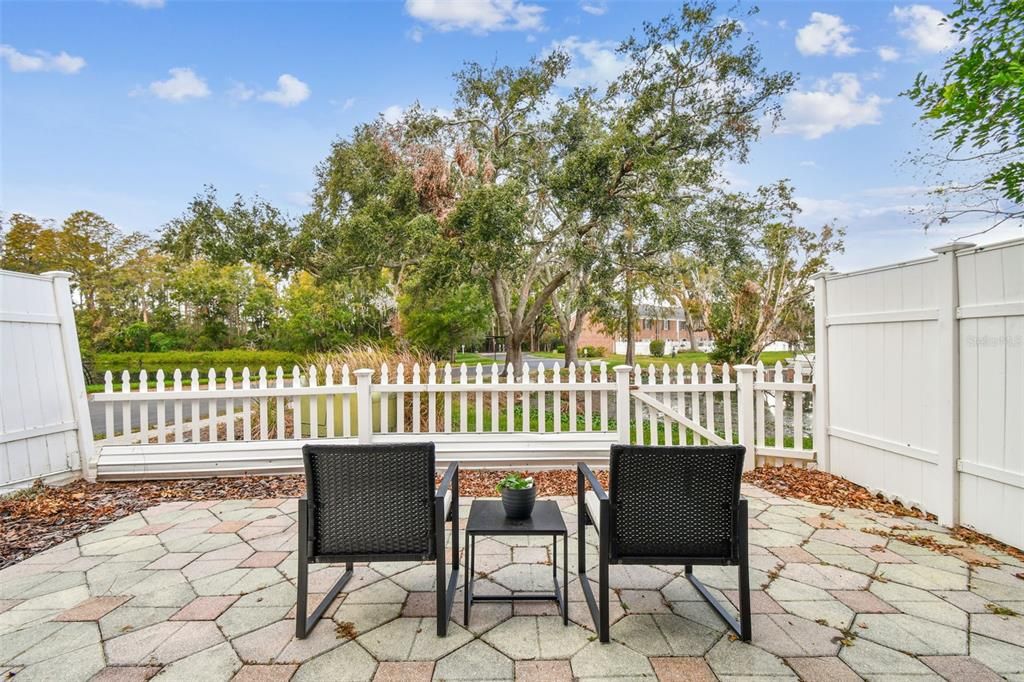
487, 517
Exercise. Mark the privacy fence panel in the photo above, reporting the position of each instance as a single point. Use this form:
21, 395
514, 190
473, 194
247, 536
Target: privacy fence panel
920, 369
991, 337
42, 433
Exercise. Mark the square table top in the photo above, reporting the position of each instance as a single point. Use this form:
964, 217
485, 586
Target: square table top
487, 517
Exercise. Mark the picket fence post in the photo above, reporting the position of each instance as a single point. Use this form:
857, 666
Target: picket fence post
364, 405
76, 377
745, 412
622, 401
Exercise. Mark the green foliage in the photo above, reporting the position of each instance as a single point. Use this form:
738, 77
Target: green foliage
977, 106
592, 352
514, 481
219, 360
441, 319
657, 348
244, 232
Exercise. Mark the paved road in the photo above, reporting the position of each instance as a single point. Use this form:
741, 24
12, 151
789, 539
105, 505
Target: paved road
97, 411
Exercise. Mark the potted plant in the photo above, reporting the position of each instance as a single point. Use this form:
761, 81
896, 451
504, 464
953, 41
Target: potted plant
517, 495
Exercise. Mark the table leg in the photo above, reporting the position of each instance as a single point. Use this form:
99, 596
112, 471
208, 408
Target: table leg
467, 581
565, 579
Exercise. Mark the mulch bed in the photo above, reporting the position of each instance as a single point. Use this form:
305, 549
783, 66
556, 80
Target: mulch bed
40, 517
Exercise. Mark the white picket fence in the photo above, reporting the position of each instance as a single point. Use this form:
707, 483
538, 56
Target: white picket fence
480, 416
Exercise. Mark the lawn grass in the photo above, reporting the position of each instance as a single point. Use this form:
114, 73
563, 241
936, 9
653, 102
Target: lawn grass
685, 358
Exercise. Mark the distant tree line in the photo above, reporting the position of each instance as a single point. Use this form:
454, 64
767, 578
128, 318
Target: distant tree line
525, 211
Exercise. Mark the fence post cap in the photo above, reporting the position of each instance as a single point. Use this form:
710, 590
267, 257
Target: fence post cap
621, 369
365, 372
57, 274
953, 247
744, 368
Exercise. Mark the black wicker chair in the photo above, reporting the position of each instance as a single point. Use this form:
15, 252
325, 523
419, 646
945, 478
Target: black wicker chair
375, 503
667, 505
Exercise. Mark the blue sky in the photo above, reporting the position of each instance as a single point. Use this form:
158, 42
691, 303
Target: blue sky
128, 108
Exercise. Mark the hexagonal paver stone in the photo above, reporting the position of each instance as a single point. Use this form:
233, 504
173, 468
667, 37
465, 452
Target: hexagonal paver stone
735, 658
72, 666
1009, 629
637, 577
664, 635
543, 671
610, 660
682, 669
644, 601
365, 617
531, 637
863, 601
1004, 658
215, 663
379, 592
475, 661
92, 609
960, 668
265, 673
826, 577
523, 577
204, 608
162, 643
824, 668
412, 639
924, 577
404, 671
911, 634
868, 659
788, 635
349, 662
265, 644
126, 674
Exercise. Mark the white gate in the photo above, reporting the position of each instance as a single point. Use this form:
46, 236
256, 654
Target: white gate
44, 417
920, 373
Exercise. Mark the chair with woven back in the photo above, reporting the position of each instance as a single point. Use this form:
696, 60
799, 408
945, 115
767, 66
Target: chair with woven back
666, 505
375, 502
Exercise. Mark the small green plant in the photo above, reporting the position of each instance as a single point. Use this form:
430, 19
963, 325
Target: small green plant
657, 348
514, 481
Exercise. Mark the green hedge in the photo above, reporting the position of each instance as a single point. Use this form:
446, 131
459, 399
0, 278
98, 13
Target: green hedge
219, 360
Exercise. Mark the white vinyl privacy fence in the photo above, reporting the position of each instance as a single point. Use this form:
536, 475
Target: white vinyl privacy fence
920, 374
549, 416
44, 417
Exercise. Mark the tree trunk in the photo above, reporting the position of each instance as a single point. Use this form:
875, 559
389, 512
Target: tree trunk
691, 335
572, 340
514, 354
630, 337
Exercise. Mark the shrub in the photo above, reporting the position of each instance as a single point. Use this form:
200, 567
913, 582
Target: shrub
371, 356
657, 348
592, 352
560, 348
219, 360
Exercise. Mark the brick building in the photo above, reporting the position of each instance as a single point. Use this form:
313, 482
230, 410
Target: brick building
664, 322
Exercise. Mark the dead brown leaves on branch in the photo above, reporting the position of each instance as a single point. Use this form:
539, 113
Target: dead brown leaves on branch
823, 488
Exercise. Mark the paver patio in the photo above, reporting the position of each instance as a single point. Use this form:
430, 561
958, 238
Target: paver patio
199, 591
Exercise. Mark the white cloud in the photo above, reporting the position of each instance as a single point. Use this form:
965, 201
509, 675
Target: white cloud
393, 114
348, 103
183, 84
241, 92
147, 4
594, 62
924, 27
61, 62
595, 7
826, 34
290, 91
835, 104
888, 54
415, 34
809, 164
478, 16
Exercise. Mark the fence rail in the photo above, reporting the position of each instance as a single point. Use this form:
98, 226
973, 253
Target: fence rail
547, 416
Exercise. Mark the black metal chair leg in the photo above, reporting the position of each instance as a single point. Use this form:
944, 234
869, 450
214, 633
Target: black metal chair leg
746, 631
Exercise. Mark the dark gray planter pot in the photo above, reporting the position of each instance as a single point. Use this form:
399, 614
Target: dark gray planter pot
518, 503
